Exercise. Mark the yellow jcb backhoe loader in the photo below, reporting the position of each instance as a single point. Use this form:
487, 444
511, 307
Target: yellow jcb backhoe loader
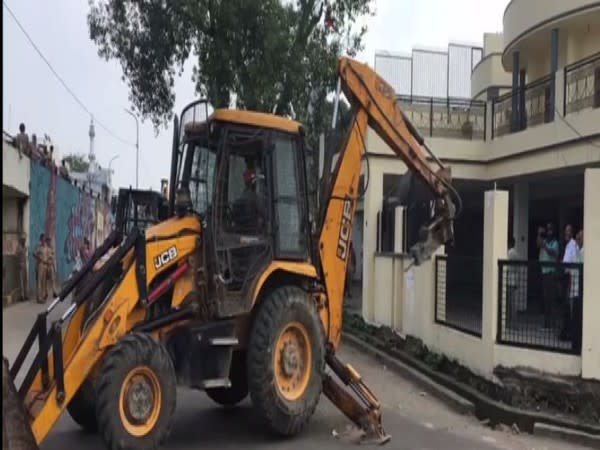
233, 294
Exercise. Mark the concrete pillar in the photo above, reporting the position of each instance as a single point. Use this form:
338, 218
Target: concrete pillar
489, 119
515, 90
418, 287
590, 345
553, 66
398, 229
372, 205
559, 92
495, 231
521, 217
522, 110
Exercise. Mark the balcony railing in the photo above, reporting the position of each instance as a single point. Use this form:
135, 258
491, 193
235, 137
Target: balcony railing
535, 105
445, 117
582, 85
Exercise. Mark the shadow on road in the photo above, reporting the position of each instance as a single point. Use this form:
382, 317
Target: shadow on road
205, 426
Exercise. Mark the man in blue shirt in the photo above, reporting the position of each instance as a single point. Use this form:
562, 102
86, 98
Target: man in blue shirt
549, 253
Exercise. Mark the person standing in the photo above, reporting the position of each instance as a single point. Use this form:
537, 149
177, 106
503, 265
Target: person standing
22, 262
37, 257
512, 280
43, 255
86, 251
570, 284
52, 277
22, 141
577, 316
579, 240
549, 252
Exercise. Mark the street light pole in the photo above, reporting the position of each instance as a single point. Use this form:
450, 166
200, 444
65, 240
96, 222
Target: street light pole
110, 172
137, 147
111, 160
109, 164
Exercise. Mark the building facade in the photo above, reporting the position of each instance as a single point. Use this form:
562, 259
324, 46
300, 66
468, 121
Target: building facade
37, 199
431, 72
531, 129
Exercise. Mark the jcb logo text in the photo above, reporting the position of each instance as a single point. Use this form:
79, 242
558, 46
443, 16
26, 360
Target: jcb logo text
165, 257
345, 228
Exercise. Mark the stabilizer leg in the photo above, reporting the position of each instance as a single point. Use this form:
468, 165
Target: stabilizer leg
363, 408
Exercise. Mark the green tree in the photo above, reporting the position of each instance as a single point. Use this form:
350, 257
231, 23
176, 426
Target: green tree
77, 162
270, 55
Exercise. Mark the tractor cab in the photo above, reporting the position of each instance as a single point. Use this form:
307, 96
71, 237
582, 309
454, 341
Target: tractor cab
137, 208
243, 173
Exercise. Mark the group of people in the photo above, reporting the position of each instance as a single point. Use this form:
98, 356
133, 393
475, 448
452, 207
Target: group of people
561, 290
39, 152
46, 274
560, 287
45, 268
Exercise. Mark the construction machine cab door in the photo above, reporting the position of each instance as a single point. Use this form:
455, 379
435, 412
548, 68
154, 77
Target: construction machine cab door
259, 210
241, 216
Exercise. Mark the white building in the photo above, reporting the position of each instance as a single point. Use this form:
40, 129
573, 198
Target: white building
530, 131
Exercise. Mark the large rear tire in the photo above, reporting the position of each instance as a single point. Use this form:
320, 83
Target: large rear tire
286, 360
238, 376
136, 394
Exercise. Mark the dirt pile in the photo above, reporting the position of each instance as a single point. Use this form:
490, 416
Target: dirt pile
570, 397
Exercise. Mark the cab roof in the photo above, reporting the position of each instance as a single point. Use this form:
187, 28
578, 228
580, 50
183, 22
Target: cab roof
250, 118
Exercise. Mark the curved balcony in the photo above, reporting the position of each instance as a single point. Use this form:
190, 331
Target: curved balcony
488, 73
526, 23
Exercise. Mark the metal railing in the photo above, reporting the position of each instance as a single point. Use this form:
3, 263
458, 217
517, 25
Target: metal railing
445, 117
535, 105
458, 293
582, 85
540, 305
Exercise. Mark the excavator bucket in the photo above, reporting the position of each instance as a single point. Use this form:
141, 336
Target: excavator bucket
16, 431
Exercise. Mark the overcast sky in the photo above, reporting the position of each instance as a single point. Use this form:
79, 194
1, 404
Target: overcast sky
31, 93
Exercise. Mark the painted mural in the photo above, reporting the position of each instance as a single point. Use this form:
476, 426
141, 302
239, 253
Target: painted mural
66, 214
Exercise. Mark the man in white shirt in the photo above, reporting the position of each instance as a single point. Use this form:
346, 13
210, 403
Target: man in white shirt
579, 240
571, 249
576, 320
512, 275
571, 286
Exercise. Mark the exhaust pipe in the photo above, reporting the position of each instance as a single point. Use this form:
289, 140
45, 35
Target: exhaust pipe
16, 430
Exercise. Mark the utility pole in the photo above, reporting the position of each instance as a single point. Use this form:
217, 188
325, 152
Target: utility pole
137, 147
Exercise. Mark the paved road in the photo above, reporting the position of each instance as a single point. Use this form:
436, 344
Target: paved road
414, 419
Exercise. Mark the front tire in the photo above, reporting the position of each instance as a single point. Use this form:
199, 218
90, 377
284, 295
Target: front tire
136, 394
286, 360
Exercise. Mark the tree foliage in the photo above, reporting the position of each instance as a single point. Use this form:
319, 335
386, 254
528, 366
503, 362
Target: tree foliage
77, 162
269, 55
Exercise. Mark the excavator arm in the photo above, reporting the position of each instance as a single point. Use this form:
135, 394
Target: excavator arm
374, 104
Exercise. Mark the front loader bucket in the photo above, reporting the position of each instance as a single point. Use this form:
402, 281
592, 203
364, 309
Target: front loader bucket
16, 431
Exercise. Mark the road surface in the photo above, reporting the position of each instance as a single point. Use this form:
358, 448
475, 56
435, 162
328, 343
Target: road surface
416, 420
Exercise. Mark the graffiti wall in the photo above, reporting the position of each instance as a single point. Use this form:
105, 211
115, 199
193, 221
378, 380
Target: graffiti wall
66, 214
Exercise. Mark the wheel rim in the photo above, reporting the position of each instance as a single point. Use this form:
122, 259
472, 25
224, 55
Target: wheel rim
139, 401
292, 361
